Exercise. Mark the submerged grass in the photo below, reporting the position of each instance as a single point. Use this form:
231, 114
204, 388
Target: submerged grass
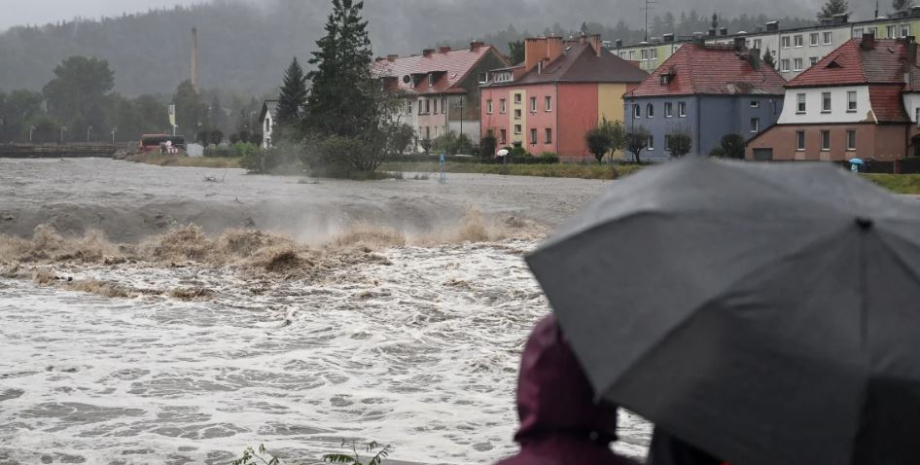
184, 161
562, 170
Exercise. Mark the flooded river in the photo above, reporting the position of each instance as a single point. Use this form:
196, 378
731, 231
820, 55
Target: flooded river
379, 311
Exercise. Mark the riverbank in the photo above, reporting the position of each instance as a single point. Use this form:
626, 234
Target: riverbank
908, 184
157, 159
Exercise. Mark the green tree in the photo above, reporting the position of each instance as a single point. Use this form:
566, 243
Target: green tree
902, 6
715, 21
731, 146
517, 50
16, 111
617, 133
293, 96
77, 94
191, 111
768, 58
637, 141
680, 143
341, 100
488, 146
833, 8
599, 143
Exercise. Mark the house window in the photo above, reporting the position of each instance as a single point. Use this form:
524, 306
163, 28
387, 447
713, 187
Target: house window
801, 101
651, 143
504, 136
682, 109
814, 38
483, 78
428, 132
851, 140
489, 106
649, 111
755, 103
421, 106
905, 30
825, 102
851, 101
668, 110
517, 113
873, 31
517, 129
549, 104
784, 64
444, 105
813, 61
757, 44
800, 141
549, 136
503, 106
518, 98
786, 41
409, 107
637, 111
632, 55
436, 106
755, 124
667, 143
798, 64
533, 104
427, 106
645, 55
799, 41
858, 33
533, 137
828, 38
825, 141
437, 132
892, 32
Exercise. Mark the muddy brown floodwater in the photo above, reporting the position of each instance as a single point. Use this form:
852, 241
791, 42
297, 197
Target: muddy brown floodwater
149, 316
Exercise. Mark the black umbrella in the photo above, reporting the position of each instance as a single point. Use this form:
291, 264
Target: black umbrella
769, 314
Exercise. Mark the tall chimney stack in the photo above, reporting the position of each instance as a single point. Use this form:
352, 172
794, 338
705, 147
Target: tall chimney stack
195, 59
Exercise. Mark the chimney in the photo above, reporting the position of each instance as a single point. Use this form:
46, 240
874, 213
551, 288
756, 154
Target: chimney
911, 52
595, 41
868, 41
427, 52
842, 18
195, 59
476, 45
541, 50
392, 58
444, 49
619, 42
723, 31
740, 44
712, 33
773, 26
668, 37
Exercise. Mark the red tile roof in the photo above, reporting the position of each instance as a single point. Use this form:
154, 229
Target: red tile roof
851, 65
451, 68
887, 104
580, 63
711, 70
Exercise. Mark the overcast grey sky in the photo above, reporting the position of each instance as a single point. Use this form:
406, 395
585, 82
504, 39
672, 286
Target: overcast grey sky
16, 12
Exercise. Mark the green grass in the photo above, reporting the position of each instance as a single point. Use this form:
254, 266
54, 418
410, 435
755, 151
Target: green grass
179, 160
897, 183
563, 170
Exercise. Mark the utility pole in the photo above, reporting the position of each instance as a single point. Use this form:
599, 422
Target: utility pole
89, 131
649, 5
63, 130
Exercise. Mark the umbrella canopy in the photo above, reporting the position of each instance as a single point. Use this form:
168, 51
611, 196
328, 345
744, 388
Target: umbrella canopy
765, 313
503, 152
857, 161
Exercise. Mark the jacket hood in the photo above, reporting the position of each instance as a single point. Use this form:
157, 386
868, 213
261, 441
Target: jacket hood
554, 395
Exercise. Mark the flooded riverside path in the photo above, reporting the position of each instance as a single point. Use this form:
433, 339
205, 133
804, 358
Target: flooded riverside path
417, 348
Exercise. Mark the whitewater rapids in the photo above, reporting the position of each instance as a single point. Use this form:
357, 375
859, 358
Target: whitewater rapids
177, 346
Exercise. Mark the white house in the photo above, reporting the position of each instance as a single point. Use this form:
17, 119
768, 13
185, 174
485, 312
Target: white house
268, 117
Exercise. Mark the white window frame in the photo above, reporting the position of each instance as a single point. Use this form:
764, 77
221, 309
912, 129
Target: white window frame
873, 30
857, 33
813, 61
637, 111
533, 136
503, 134
852, 103
533, 104
785, 65
801, 104
654, 54
827, 102
650, 111
548, 133
548, 101
800, 141
905, 30
503, 106
755, 125
681, 109
892, 31
828, 38
851, 148
787, 42
518, 114
651, 143
798, 41
644, 55
490, 108
814, 39
826, 137
668, 110
518, 129
798, 64
518, 98
755, 103
758, 43
667, 143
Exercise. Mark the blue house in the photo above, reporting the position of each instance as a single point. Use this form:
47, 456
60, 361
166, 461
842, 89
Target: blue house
707, 92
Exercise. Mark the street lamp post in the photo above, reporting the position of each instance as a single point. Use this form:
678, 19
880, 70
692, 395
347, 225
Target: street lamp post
89, 131
31, 130
63, 130
114, 130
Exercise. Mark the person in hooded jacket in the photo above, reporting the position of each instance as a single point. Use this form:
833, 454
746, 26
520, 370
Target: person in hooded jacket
560, 422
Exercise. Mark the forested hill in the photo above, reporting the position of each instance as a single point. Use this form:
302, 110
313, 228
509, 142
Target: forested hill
245, 46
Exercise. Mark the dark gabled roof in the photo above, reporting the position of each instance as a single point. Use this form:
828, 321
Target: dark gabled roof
710, 70
580, 63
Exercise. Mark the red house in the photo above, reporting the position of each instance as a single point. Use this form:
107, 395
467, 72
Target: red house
563, 89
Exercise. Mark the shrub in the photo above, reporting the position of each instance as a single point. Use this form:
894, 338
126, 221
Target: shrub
488, 146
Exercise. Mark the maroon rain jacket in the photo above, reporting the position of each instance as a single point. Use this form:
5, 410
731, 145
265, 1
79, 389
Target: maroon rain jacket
560, 423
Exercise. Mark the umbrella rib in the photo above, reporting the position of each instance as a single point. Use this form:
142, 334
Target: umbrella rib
725, 291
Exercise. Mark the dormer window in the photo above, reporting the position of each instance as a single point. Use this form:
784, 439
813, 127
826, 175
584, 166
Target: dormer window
666, 79
483, 78
833, 65
431, 80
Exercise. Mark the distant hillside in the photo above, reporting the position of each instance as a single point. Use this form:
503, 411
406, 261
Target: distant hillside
246, 47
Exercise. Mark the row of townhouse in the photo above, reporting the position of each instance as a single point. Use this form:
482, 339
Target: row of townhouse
794, 50
860, 101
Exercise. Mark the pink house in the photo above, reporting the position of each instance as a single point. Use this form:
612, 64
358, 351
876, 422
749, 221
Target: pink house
562, 90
